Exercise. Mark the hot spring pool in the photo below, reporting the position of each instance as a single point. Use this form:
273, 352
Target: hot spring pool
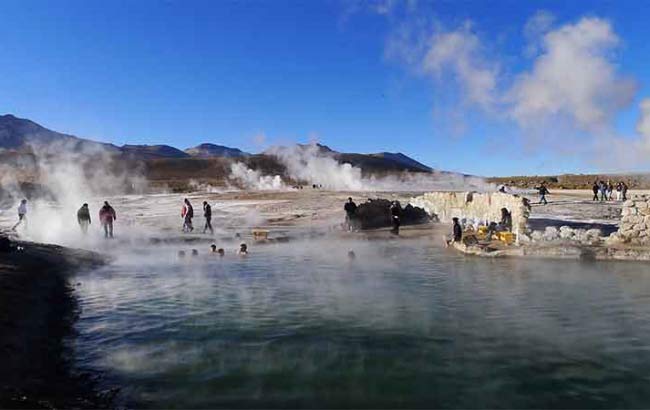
403, 325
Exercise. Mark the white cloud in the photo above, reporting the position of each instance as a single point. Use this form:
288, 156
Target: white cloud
539, 24
573, 78
643, 124
460, 53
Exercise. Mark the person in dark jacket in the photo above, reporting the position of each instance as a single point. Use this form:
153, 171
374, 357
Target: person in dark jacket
83, 218
350, 214
595, 189
396, 213
106, 217
624, 189
187, 214
506, 220
543, 191
207, 213
456, 232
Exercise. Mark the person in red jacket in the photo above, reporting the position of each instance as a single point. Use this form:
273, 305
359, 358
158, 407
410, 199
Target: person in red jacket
187, 214
106, 217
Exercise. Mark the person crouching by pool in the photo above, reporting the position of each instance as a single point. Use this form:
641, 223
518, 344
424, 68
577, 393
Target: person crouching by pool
243, 250
457, 232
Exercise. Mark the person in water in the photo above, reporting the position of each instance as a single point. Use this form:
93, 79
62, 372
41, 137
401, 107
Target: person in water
351, 255
187, 213
181, 254
83, 218
243, 249
350, 213
22, 214
195, 252
106, 217
395, 212
207, 213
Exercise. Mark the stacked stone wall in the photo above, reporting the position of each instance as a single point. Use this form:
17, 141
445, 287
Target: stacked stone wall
635, 221
477, 207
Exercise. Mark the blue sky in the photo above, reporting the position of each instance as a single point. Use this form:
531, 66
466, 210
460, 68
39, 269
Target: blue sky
255, 73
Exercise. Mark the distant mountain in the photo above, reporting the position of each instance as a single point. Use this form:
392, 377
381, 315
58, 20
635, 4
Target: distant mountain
403, 159
208, 150
152, 151
22, 134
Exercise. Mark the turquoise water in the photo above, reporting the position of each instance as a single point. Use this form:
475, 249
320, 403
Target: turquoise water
405, 324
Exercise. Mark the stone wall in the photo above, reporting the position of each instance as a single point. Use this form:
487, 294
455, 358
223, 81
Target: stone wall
478, 207
635, 221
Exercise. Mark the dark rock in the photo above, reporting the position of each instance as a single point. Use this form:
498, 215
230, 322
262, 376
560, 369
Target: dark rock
376, 214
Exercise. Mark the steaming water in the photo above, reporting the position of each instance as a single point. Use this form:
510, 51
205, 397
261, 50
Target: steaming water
404, 325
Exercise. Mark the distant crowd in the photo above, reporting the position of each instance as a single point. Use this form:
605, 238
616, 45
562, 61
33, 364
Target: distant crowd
604, 191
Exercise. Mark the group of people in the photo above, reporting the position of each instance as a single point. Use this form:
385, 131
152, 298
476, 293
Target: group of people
243, 251
606, 191
106, 217
504, 225
187, 213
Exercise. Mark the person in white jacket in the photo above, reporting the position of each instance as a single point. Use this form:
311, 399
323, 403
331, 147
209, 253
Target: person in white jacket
22, 214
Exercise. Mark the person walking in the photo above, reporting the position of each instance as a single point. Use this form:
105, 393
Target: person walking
610, 190
207, 213
106, 217
83, 218
543, 191
624, 190
619, 191
187, 214
22, 214
595, 188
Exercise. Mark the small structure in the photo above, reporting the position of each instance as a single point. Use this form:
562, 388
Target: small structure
260, 234
635, 221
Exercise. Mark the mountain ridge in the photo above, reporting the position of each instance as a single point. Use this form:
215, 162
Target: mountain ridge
24, 135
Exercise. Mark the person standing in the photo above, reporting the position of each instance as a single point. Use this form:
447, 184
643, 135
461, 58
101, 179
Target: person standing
395, 212
624, 190
207, 213
106, 217
187, 214
22, 214
619, 191
543, 191
603, 190
456, 232
83, 218
350, 213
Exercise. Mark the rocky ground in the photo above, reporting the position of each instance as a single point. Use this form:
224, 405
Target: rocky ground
37, 310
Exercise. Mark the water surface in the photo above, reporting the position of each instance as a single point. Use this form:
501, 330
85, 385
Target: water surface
403, 325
